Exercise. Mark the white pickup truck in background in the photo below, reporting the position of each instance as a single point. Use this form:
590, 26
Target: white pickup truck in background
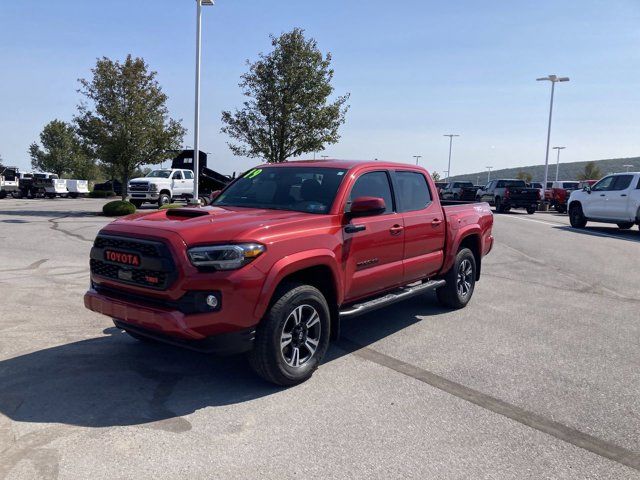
614, 199
161, 186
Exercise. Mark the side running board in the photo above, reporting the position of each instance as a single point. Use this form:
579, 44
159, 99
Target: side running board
393, 297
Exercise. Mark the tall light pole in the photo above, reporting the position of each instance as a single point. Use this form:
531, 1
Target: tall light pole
196, 122
553, 79
488, 167
417, 157
628, 167
557, 163
450, 135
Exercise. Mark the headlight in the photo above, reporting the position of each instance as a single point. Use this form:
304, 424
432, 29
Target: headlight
153, 187
224, 257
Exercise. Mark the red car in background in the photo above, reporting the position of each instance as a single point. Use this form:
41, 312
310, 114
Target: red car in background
559, 192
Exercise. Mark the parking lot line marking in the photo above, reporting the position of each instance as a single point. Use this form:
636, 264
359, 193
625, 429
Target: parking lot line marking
530, 419
556, 224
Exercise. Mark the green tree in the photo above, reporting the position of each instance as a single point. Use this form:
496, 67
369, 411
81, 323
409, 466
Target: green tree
591, 172
435, 176
288, 111
124, 120
61, 152
526, 176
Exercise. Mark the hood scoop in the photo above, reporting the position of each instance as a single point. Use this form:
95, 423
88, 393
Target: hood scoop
184, 213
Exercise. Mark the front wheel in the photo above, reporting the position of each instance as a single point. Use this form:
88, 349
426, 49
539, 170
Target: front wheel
163, 199
293, 337
499, 207
531, 210
576, 216
461, 281
625, 225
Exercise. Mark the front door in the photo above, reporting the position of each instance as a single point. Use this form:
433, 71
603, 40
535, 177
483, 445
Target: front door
372, 254
595, 206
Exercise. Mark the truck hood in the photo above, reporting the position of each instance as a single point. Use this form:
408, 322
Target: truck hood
221, 224
149, 180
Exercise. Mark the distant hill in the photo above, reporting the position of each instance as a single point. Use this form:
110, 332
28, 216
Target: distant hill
568, 171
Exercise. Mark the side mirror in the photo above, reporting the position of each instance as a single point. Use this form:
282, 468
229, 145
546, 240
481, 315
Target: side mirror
215, 194
367, 206
586, 188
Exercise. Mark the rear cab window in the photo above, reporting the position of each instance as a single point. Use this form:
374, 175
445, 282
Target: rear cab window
622, 182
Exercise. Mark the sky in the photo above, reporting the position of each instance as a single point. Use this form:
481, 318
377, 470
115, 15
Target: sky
415, 69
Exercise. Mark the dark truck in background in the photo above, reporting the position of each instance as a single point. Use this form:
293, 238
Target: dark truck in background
282, 255
505, 194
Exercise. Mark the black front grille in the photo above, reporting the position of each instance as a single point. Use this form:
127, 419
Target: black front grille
156, 268
144, 248
145, 278
138, 187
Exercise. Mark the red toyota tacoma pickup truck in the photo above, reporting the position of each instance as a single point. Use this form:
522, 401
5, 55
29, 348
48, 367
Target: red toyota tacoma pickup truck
282, 255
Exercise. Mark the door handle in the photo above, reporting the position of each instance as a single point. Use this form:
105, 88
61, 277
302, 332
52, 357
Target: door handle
354, 228
623, 194
602, 195
396, 229
435, 222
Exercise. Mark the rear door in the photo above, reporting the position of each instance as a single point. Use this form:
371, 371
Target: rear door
423, 225
373, 254
178, 183
618, 199
188, 182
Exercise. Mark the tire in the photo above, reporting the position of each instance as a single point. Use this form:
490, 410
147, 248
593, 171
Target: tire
204, 201
277, 364
625, 225
163, 199
531, 210
506, 209
576, 217
51, 195
3, 194
73, 195
461, 281
499, 207
137, 203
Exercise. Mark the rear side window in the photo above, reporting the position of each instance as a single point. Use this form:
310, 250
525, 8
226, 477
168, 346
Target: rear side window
374, 184
622, 182
413, 191
177, 175
188, 174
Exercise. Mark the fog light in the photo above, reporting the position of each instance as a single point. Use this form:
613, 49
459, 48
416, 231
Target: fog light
212, 301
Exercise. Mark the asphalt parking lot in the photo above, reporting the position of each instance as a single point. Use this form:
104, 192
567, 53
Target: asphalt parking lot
537, 378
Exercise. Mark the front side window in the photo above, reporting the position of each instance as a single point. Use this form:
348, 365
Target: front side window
374, 184
177, 175
622, 182
301, 189
605, 184
412, 191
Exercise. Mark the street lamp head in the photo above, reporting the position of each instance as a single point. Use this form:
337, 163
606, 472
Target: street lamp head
563, 79
207, 2
553, 78
559, 148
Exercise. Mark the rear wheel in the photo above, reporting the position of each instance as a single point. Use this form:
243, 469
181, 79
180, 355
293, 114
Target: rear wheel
531, 210
293, 337
625, 225
461, 281
576, 216
561, 208
499, 207
137, 203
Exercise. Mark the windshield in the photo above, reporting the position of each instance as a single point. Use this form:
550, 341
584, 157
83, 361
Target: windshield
159, 174
302, 189
511, 183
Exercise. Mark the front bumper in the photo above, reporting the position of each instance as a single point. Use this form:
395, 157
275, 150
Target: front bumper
149, 196
168, 325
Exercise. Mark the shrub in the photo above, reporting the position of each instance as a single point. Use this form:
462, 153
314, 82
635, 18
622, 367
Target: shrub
171, 205
117, 208
102, 194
